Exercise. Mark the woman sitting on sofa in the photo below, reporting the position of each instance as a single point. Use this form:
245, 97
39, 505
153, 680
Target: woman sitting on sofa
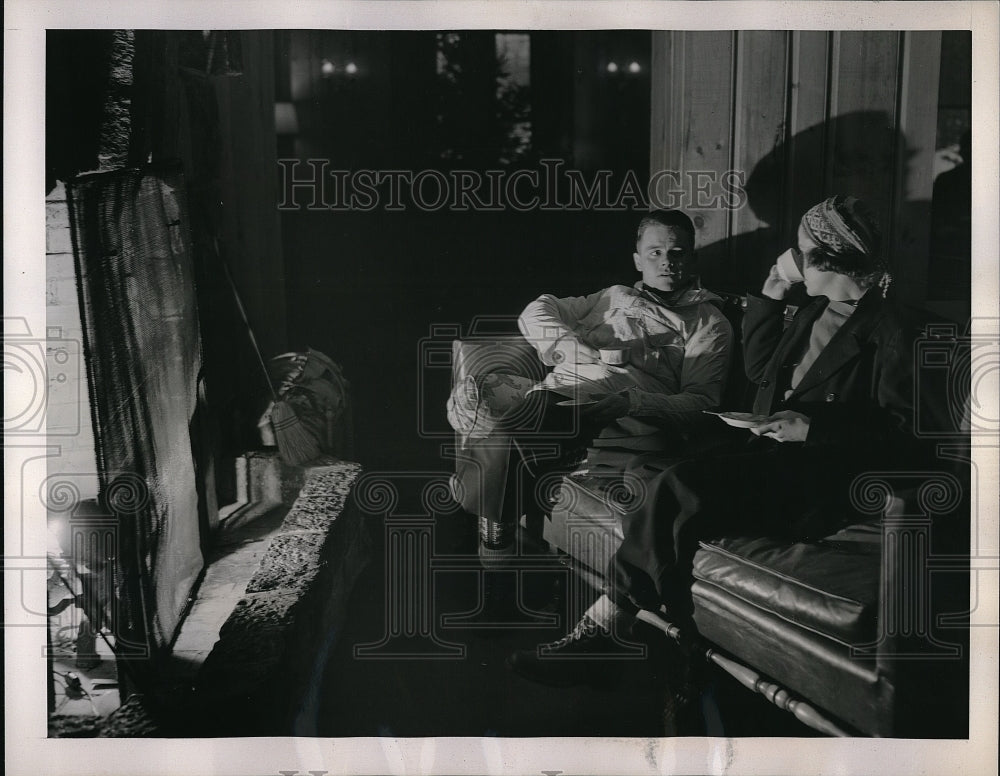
833, 401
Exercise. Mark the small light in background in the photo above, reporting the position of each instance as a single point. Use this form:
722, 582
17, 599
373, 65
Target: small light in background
327, 68
350, 68
634, 67
286, 119
612, 67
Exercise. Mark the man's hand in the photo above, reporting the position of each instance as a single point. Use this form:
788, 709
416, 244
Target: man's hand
570, 350
775, 286
785, 426
609, 407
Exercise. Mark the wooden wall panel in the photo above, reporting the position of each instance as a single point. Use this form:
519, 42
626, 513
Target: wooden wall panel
805, 138
692, 126
806, 114
863, 142
760, 119
707, 122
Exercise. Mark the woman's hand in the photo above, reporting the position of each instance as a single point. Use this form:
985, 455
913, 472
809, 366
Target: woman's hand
785, 426
609, 407
775, 286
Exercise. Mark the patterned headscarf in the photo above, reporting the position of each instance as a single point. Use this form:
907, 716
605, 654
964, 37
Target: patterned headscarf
844, 224
849, 231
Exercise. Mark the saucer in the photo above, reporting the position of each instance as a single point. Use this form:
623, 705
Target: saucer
739, 419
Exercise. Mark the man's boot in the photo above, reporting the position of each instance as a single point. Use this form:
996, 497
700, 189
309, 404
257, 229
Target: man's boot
591, 653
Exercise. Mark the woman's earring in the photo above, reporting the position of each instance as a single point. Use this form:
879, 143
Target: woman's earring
884, 282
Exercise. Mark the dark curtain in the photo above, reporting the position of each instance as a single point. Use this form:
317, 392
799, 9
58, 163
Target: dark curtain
143, 353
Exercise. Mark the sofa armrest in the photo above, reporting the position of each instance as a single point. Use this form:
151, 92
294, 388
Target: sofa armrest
507, 353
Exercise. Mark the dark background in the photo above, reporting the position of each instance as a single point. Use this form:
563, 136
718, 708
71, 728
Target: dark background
365, 288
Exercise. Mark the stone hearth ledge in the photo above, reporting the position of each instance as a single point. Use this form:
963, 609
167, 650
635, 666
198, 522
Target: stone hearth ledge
259, 678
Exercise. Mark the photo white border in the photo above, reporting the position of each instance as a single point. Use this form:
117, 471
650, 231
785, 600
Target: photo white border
29, 751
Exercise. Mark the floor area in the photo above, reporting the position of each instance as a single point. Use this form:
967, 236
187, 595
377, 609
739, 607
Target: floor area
85, 683
476, 694
399, 668
85, 674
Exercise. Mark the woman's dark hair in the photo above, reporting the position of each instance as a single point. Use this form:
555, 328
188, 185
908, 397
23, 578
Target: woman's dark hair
675, 219
853, 263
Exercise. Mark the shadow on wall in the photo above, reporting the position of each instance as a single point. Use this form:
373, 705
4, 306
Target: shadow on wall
950, 267
858, 153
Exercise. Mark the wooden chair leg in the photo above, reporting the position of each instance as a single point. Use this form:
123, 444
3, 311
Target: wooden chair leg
749, 678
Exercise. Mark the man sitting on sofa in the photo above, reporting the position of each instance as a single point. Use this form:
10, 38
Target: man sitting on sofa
834, 401
659, 349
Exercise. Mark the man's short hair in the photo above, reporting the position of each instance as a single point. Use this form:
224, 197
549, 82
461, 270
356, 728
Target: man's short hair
675, 219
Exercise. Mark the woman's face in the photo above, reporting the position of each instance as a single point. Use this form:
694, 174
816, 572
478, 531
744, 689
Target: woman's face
819, 282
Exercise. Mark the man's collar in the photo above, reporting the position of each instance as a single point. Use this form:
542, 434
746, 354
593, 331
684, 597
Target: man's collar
692, 295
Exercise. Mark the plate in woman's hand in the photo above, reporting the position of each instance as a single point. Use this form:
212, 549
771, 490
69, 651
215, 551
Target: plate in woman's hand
739, 419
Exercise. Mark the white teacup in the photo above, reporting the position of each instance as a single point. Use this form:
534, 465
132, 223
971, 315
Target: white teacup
790, 266
614, 356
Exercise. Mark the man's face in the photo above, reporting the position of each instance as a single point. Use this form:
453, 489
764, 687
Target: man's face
665, 256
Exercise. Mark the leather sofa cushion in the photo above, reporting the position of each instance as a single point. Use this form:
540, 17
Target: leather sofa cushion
830, 586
